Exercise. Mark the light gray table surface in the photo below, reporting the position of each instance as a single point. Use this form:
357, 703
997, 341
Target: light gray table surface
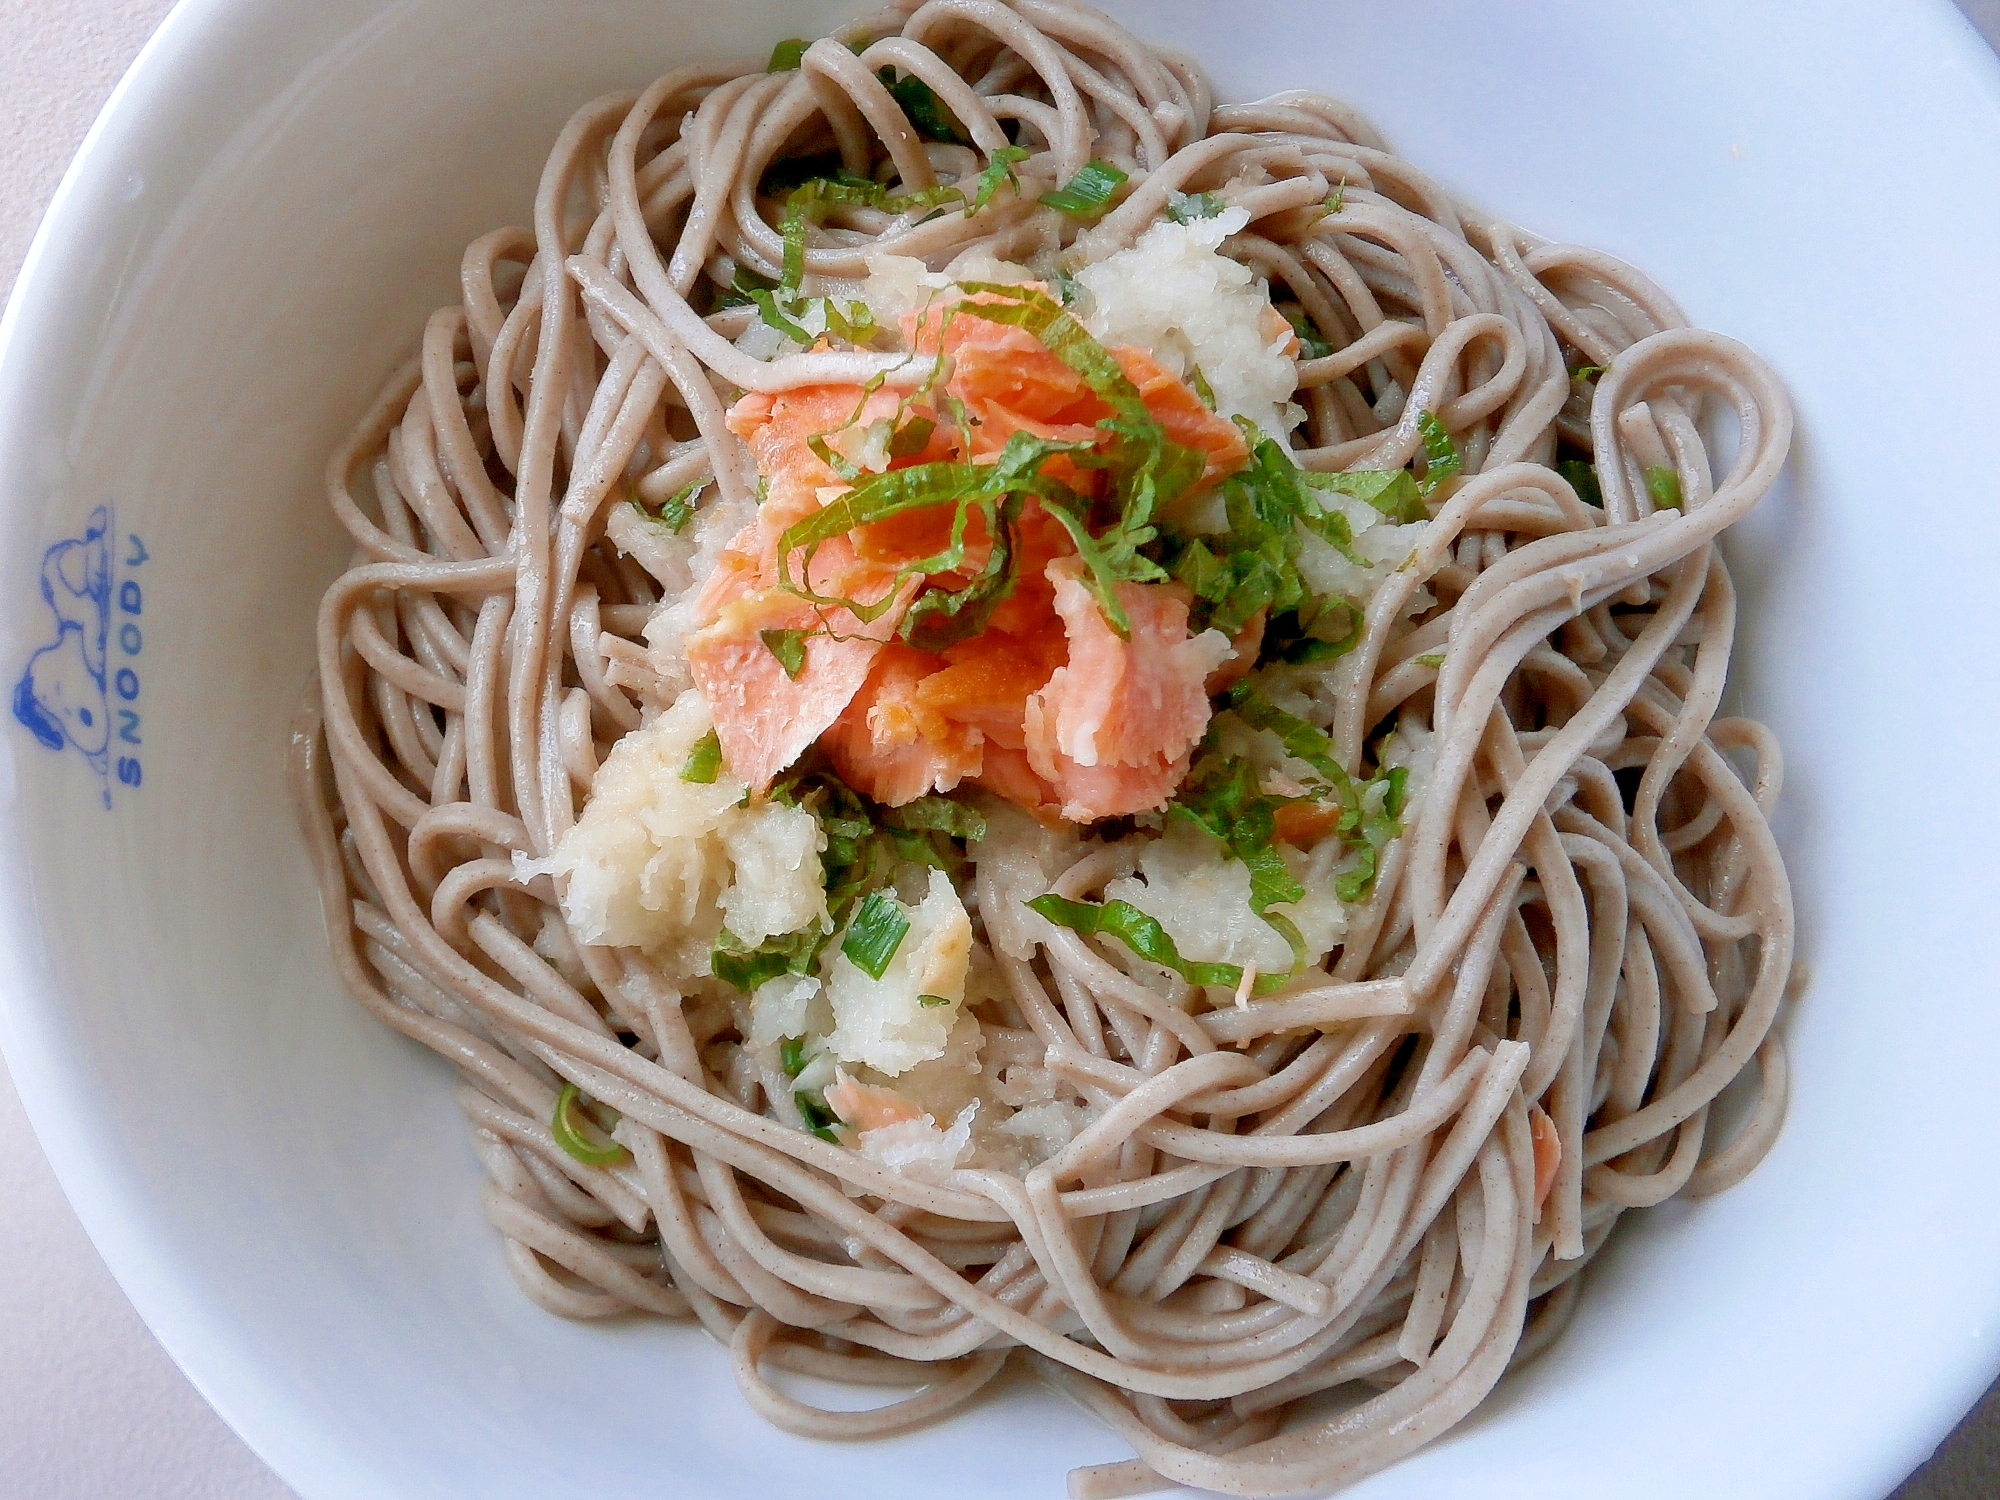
91, 1408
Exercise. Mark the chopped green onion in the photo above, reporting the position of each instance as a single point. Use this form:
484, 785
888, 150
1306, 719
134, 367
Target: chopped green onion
1664, 485
1398, 778
1086, 195
787, 56
999, 168
792, 1055
1441, 455
1586, 372
1066, 286
875, 934
852, 860
1185, 208
789, 646
578, 1135
704, 760
1431, 659
1336, 200
932, 1002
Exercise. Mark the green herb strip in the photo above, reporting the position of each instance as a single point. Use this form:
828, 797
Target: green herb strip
704, 760
927, 113
819, 1119
789, 646
1253, 567
999, 168
815, 197
578, 1135
1441, 455
1147, 471
676, 510
1137, 931
1201, 387
787, 56
1369, 812
748, 968
937, 619
1222, 797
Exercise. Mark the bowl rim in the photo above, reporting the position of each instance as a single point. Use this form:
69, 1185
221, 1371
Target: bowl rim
50, 1071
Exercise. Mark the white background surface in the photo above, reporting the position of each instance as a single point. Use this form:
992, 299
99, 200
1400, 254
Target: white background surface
90, 1407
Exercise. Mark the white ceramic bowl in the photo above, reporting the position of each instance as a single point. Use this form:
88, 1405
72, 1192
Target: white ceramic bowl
251, 237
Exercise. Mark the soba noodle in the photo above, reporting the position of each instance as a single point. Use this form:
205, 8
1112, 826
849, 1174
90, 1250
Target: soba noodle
1584, 926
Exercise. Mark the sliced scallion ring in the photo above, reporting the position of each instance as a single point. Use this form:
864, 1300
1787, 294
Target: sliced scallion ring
577, 1135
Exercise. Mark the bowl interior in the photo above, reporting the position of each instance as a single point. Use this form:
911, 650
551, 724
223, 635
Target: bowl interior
251, 241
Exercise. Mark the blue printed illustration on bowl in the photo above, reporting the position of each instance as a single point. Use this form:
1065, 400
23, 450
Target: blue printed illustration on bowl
71, 694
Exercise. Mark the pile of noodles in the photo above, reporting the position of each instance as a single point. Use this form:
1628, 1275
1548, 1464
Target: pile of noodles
1280, 1256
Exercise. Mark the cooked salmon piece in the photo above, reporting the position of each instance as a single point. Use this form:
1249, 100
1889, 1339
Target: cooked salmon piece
764, 720
1113, 729
867, 1106
890, 745
1047, 705
985, 683
779, 429
1006, 773
1013, 383
1548, 1154
1181, 412
1118, 701
1304, 824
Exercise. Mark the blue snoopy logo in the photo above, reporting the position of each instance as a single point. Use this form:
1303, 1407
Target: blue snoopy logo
63, 696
